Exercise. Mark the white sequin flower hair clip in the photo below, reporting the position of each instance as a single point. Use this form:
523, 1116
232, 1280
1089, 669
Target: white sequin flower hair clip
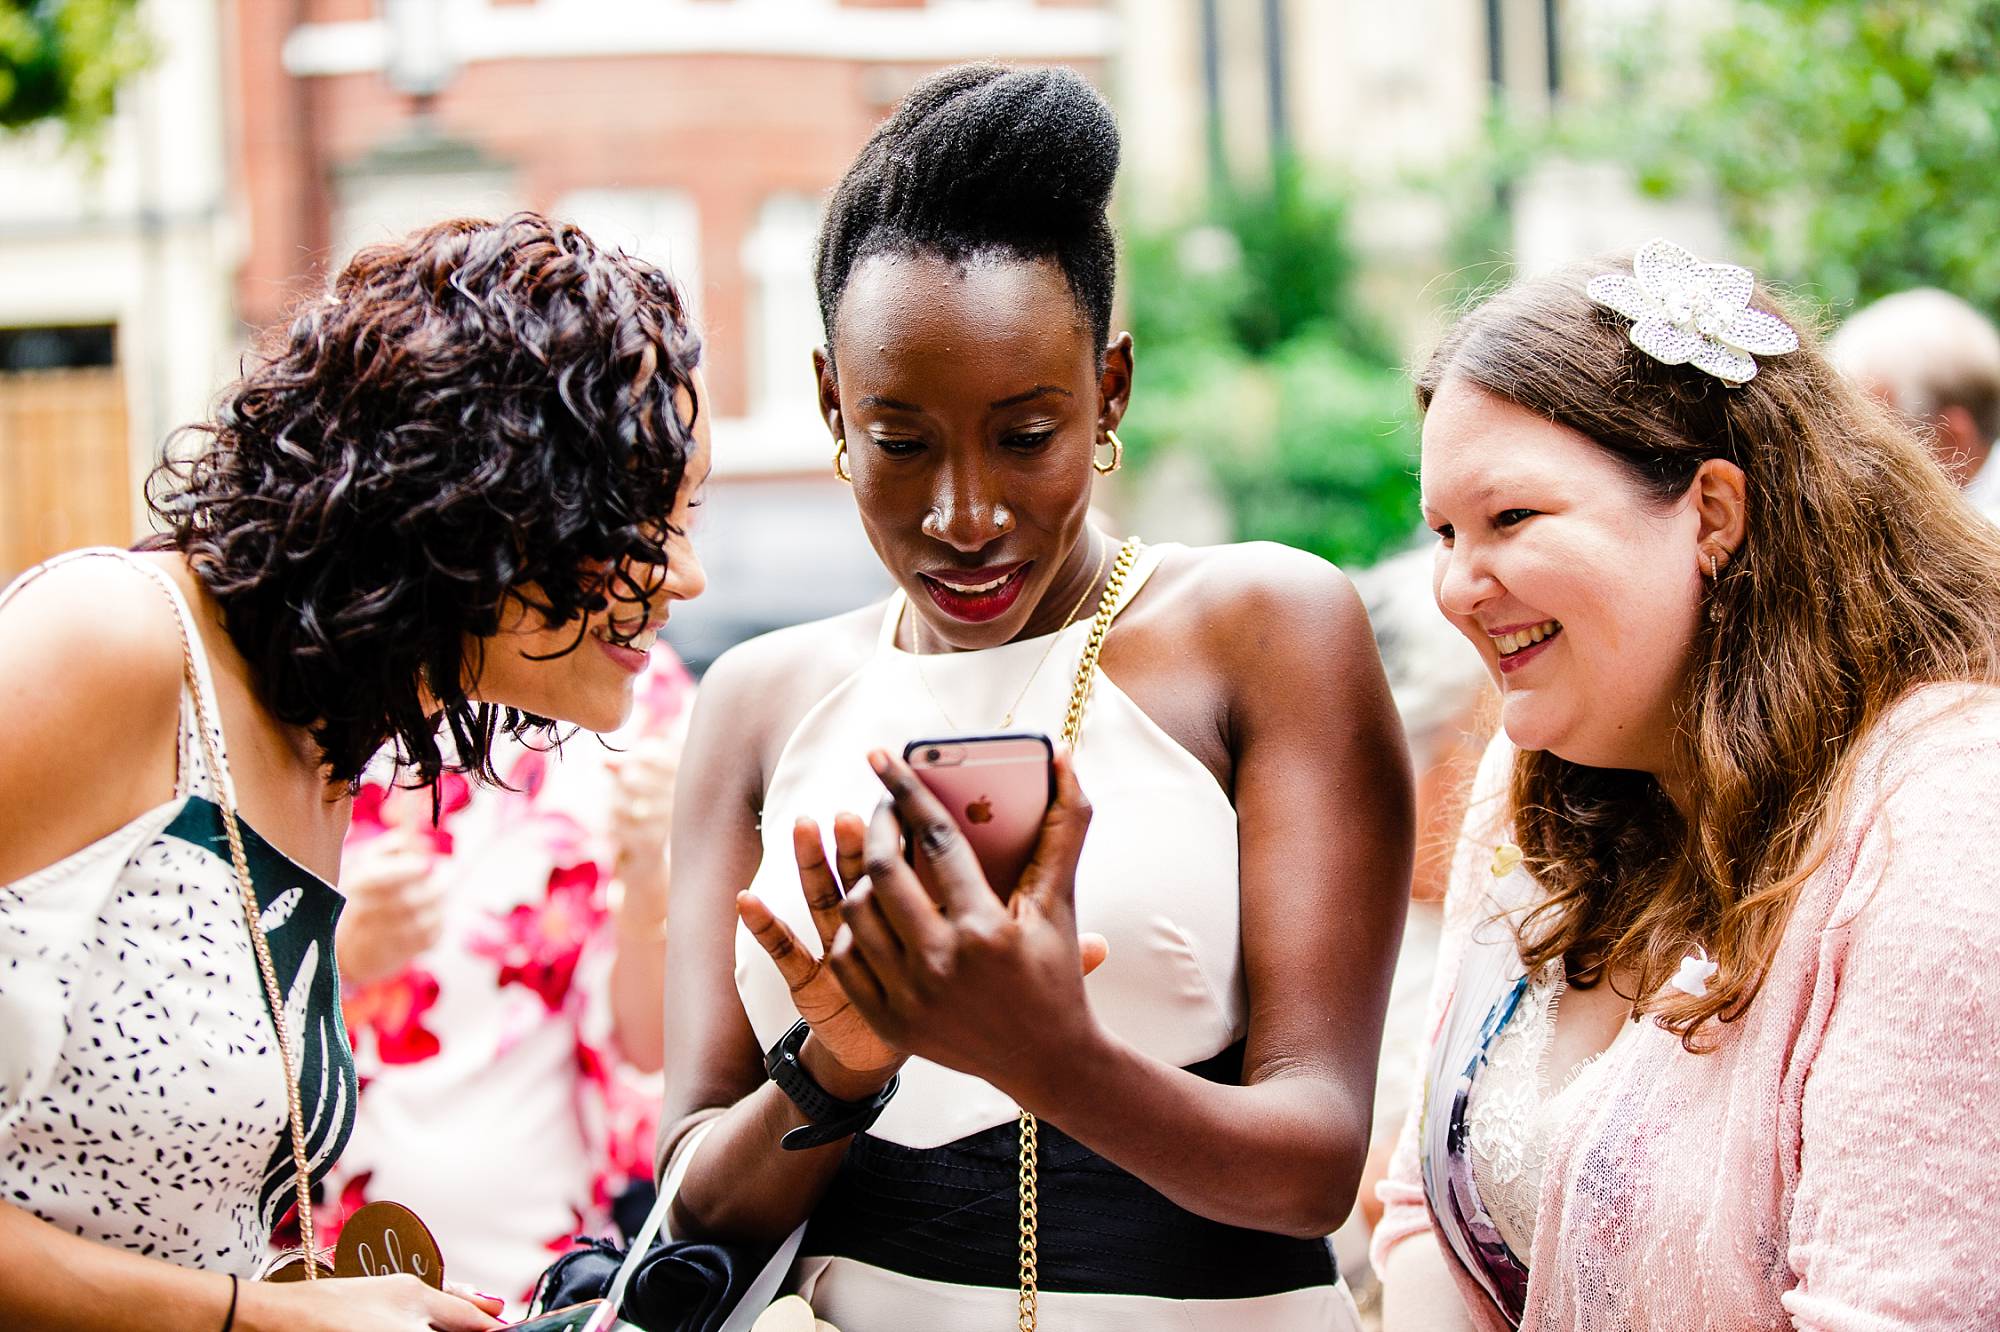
1686, 312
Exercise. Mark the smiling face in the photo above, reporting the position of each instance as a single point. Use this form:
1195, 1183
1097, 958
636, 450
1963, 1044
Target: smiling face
971, 401
546, 670
1581, 591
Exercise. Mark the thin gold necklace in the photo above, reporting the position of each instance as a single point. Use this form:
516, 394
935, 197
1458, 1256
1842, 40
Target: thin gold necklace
916, 658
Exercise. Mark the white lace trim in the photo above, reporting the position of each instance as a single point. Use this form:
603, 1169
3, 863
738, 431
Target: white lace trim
1511, 1116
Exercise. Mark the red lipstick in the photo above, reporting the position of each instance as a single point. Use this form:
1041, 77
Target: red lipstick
1000, 588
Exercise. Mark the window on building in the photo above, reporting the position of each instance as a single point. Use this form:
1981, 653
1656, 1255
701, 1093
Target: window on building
784, 311
663, 227
66, 347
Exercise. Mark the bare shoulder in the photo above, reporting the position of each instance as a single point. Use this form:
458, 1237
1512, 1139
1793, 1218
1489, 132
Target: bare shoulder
761, 688
90, 678
91, 636
1259, 597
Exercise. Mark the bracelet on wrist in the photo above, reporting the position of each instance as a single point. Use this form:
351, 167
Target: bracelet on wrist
828, 1118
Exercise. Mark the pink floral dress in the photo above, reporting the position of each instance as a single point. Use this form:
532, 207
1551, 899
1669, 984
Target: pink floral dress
493, 1100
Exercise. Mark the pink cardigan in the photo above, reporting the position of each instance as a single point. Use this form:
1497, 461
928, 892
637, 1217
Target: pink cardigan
1835, 1164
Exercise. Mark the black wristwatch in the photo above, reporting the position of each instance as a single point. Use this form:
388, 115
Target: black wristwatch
830, 1119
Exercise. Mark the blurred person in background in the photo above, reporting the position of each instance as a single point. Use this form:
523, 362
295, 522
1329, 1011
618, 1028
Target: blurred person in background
1445, 700
1201, 1104
1935, 359
1718, 1000
502, 978
450, 506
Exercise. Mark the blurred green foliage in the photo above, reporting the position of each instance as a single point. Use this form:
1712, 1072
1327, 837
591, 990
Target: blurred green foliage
62, 60
1256, 358
1852, 143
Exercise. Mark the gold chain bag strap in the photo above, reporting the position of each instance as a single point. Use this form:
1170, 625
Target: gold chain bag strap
1079, 697
252, 917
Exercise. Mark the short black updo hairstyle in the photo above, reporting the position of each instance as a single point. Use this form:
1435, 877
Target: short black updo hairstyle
483, 412
983, 159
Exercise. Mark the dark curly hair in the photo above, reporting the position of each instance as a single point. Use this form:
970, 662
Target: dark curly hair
981, 159
484, 411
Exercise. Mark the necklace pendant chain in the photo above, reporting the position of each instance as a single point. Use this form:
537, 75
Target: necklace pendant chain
260, 944
1028, 1302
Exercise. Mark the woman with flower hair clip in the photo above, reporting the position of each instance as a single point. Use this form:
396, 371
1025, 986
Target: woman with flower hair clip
1716, 1028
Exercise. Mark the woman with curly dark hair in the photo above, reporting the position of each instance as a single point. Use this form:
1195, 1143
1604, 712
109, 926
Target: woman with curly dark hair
453, 502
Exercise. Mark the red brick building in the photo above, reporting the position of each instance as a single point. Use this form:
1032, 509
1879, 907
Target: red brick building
706, 129
701, 134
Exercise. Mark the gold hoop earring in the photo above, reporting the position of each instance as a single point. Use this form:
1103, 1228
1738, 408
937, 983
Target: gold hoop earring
1117, 455
840, 462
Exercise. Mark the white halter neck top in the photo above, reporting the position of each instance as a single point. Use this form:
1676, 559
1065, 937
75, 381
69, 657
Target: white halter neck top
1158, 878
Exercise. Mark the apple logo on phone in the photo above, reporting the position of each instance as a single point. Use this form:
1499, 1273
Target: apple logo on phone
980, 811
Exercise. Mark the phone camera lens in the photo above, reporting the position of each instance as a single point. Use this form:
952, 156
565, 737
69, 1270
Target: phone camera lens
932, 755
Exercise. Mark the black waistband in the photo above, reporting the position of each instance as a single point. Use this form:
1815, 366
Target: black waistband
950, 1214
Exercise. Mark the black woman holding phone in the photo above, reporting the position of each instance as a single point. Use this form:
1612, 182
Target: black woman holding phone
907, 1059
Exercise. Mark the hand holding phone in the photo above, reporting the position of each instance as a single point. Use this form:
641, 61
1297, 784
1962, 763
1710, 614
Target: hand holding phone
998, 789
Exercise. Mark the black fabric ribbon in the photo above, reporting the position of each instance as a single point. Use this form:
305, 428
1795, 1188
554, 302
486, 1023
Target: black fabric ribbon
682, 1286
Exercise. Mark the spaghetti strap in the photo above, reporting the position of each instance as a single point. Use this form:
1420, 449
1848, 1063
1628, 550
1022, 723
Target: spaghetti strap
192, 754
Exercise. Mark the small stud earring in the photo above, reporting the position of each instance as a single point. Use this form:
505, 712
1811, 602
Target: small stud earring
1714, 569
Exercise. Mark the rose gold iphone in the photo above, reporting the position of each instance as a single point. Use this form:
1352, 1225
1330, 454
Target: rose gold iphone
997, 787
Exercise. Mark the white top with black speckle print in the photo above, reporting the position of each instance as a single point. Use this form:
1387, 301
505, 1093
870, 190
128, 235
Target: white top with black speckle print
142, 1104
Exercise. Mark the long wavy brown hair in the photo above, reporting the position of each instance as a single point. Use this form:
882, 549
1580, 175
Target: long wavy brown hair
1864, 574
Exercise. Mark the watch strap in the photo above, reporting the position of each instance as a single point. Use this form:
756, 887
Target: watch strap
829, 1119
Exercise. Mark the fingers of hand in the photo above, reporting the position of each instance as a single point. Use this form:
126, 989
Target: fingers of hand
642, 792
388, 873
822, 890
1051, 875
900, 902
408, 910
932, 829
961, 884
491, 1304
873, 936
891, 878
1093, 948
426, 925
452, 1312
850, 852
794, 963
857, 979
388, 1301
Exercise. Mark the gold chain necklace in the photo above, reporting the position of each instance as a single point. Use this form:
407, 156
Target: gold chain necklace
261, 945
1079, 697
916, 660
